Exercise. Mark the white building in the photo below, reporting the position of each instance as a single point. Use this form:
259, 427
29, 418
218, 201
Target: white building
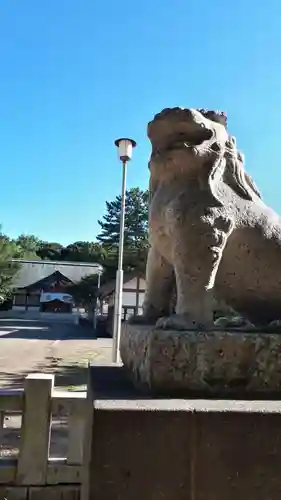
132, 300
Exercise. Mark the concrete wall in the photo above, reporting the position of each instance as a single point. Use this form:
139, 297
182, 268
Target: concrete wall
185, 455
141, 448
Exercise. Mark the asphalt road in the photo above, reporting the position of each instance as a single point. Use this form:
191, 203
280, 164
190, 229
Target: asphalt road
41, 330
53, 346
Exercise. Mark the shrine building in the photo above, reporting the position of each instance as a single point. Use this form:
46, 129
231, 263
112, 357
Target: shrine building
42, 284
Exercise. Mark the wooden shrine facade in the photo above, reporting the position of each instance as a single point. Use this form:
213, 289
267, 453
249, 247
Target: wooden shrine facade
31, 296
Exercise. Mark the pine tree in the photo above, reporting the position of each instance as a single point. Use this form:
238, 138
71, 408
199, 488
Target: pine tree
135, 233
136, 221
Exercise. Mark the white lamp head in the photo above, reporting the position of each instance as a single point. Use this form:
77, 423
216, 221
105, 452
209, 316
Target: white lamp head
125, 148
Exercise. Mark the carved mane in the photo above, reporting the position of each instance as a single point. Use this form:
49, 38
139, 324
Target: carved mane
230, 168
237, 178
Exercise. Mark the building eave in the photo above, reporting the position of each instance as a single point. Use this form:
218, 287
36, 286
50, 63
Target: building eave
108, 289
94, 265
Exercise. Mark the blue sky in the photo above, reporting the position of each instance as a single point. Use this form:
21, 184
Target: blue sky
77, 74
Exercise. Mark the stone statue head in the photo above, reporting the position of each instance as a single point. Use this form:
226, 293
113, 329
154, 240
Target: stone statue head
193, 142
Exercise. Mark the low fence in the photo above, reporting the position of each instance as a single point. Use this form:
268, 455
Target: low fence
33, 474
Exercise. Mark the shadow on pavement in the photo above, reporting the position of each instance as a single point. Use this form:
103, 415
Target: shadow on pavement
66, 376
12, 380
38, 330
73, 375
44, 331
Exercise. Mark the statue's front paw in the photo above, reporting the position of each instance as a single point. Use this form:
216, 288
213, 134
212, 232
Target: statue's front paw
273, 327
178, 322
141, 320
233, 322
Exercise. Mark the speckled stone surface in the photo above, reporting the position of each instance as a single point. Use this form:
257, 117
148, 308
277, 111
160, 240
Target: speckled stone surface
208, 225
169, 362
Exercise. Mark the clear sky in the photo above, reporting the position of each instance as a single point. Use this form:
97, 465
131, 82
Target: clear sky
77, 74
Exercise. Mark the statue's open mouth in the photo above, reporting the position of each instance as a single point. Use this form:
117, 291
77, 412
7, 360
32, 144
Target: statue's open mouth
181, 140
180, 128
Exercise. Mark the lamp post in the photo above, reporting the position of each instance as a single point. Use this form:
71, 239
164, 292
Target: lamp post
125, 149
99, 277
100, 270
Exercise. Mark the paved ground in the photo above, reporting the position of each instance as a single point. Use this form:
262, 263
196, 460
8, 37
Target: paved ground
34, 345
52, 347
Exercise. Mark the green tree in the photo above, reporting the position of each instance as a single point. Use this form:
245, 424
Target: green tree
84, 251
29, 244
84, 292
136, 221
50, 251
8, 269
135, 233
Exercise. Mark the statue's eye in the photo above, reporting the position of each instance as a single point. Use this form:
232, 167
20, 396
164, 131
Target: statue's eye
202, 125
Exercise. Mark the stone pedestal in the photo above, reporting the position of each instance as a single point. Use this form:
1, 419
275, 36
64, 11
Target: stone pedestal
214, 362
140, 448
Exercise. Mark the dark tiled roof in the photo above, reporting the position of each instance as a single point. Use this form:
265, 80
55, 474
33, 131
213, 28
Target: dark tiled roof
33, 271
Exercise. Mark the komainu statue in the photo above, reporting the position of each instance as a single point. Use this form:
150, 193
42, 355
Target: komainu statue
210, 231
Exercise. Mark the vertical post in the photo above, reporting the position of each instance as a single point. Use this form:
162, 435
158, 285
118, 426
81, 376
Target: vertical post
99, 275
97, 301
119, 274
138, 295
76, 427
35, 429
2, 426
88, 438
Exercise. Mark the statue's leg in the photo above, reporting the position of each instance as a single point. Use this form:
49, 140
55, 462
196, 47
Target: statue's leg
159, 283
197, 255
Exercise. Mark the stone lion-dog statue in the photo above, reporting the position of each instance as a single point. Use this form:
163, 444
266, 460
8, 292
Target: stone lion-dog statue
210, 232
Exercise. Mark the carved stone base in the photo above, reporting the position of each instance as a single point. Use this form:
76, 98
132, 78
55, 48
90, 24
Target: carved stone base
224, 362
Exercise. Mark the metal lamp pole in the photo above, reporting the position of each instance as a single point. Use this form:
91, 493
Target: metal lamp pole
97, 299
125, 148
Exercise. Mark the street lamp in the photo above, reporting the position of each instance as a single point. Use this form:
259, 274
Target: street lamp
100, 271
97, 304
125, 149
